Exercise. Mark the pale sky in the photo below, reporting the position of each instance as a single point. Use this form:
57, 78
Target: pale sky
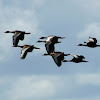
38, 77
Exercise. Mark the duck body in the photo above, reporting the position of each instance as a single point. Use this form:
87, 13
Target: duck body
91, 44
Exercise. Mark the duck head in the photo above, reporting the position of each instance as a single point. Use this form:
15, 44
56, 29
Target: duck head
80, 45
7, 32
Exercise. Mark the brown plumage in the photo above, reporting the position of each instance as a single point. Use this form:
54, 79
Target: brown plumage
50, 42
58, 57
18, 35
26, 49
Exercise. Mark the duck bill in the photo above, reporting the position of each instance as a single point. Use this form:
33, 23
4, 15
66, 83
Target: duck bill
36, 48
87, 61
62, 37
14, 46
5, 32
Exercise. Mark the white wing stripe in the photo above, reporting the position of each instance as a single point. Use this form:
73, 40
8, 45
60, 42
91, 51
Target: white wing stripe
23, 51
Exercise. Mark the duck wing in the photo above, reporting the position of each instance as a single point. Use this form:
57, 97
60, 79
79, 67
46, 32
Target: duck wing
49, 47
24, 53
92, 40
57, 60
95, 40
15, 39
21, 37
49, 38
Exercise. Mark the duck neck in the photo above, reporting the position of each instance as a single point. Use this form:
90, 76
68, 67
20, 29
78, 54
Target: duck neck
27, 33
41, 41
46, 54
66, 54
19, 46
43, 37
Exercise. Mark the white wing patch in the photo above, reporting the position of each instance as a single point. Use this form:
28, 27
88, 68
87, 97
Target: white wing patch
76, 56
23, 51
48, 38
91, 40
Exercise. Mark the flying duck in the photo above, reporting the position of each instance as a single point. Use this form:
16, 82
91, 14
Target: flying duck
50, 42
58, 57
92, 42
26, 49
52, 38
18, 35
77, 59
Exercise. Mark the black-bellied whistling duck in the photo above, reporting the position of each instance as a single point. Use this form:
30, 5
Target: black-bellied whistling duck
58, 57
50, 42
26, 49
92, 42
77, 59
52, 38
18, 35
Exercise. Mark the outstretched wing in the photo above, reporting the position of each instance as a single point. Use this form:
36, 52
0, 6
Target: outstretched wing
21, 37
95, 40
15, 39
23, 53
49, 47
57, 60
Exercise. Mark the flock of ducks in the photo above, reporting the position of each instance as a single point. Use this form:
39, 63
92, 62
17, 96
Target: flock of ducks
50, 42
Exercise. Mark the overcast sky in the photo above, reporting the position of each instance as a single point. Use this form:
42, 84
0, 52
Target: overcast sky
38, 77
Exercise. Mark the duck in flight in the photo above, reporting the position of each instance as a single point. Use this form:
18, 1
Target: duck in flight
26, 49
18, 35
50, 42
77, 59
92, 42
58, 57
